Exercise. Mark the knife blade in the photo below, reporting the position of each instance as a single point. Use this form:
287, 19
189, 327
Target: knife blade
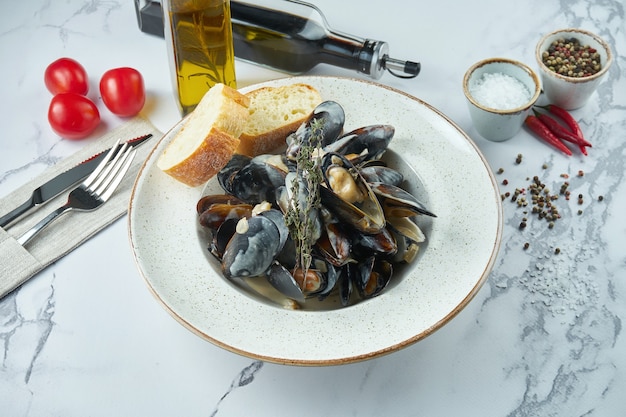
62, 182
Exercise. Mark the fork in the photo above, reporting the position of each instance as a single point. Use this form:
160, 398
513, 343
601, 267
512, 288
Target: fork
93, 192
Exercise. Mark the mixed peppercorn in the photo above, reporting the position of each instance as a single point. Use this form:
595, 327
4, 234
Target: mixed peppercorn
570, 58
536, 199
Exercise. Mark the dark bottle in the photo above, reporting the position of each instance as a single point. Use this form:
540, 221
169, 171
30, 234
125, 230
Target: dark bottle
294, 36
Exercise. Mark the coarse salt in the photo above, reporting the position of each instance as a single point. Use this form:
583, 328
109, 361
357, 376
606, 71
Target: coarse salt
500, 91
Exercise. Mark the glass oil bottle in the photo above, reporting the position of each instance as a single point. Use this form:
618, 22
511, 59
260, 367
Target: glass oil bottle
200, 48
294, 36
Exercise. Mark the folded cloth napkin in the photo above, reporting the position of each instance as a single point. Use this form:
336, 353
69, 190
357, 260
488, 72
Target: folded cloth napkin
18, 263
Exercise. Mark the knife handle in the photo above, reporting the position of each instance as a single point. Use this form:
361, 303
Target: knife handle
16, 212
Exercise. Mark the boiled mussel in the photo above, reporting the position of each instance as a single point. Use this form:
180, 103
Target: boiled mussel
378, 173
256, 243
397, 202
348, 196
328, 117
253, 181
363, 144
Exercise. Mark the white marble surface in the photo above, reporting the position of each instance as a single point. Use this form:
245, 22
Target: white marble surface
544, 337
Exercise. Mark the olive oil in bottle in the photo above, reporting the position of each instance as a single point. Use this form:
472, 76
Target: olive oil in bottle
200, 47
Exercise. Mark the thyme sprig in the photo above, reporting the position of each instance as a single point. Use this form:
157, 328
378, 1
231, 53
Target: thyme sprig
304, 203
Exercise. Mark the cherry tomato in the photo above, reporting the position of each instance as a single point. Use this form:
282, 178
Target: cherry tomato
66, 75
122, 91
73, 116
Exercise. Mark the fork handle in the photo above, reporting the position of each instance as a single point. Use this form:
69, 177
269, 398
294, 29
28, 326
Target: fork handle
43, 223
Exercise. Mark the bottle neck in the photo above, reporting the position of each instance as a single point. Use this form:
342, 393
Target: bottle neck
362, 55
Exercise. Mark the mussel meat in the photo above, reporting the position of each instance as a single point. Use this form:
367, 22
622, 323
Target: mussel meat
348, 195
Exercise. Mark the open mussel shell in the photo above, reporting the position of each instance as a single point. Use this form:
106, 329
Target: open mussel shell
208, 200
222, 236
281, 278
348, 196
254, 182
363, 144
397, 202
382, 243
371, 276
407, 249
344, 284
296, 284
381, 174
334, 242
407, 227
226, 174
334, 245
218, 213
328, 116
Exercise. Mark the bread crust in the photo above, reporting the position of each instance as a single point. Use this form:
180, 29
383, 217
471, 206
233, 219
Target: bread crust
291, 106
209, 137
207, 160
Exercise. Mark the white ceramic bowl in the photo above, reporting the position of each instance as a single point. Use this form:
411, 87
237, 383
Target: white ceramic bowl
439, 160
497, 124
572, 92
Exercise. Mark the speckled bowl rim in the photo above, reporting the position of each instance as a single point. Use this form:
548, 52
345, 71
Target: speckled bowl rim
212, 309
524, 67
541, 47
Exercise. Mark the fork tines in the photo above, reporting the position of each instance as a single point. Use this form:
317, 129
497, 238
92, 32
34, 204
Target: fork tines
110, 172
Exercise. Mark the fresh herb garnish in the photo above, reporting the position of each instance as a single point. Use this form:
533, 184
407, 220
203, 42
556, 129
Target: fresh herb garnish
303, 205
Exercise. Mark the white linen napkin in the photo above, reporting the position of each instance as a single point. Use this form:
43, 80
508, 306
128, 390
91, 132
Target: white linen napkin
18, 263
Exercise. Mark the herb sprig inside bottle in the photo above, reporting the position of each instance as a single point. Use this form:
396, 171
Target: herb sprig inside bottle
308, 175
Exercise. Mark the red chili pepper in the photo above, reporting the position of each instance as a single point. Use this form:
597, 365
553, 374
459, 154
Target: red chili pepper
544, 133
561, 132
567, 118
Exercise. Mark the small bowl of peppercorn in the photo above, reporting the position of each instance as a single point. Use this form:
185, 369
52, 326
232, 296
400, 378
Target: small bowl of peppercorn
572, 63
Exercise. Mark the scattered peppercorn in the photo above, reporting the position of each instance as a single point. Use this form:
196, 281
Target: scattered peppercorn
580, 212
526, 245
600, 198
518, 160
500, 170
557, 251
568, 57
544, 166
580, 173
505, 182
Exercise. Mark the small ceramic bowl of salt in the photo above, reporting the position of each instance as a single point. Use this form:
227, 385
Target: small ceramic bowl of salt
500, 93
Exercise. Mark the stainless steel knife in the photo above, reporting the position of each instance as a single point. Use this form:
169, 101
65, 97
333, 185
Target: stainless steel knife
62, 182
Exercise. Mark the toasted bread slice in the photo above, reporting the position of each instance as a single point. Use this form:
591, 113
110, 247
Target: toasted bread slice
208, 138
275, 112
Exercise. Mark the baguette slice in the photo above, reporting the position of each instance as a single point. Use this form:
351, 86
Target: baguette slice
209, 137
275, 112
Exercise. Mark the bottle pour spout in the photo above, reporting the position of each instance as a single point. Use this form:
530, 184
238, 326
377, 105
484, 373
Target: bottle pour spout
401, 69
374, 60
